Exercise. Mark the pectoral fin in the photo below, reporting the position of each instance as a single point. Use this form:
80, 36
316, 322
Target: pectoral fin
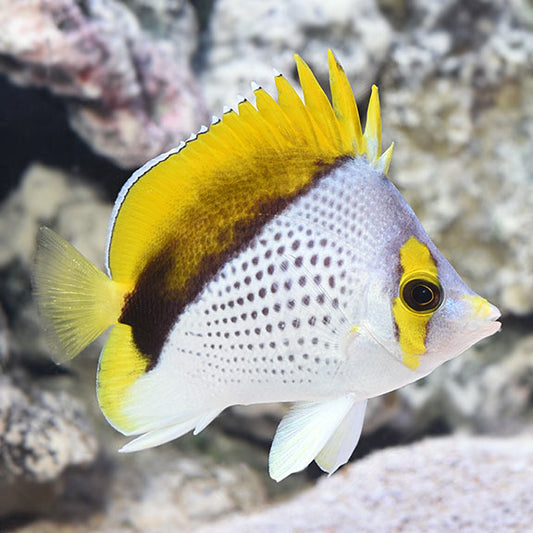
342, 443
303, 433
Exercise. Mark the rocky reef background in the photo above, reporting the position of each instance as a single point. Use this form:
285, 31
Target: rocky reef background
91, 89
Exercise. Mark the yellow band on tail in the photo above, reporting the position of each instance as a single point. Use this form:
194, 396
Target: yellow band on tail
77, 302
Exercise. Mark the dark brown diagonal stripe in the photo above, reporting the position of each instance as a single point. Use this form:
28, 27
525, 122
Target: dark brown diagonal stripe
153, 307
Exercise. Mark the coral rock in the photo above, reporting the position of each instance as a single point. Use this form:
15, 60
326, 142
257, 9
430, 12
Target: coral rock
41, 435
130, 95
448, 484
245, 40
457, 102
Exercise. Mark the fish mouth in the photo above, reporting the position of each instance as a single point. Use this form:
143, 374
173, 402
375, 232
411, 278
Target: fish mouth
485, 321
492, 324
490, 328
493, 314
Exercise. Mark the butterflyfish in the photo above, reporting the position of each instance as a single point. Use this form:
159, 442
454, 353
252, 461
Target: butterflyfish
267, 259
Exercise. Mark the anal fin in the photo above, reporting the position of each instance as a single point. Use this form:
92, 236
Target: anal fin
205, 420
303, 433
159, 436
342, 443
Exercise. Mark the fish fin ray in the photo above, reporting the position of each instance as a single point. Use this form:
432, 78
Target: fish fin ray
205, 420
344, 104
295, 110
157, 437
340, 446
318, 105
77, 302
383, 163
372, 135
258, 155
303, 432
162, 435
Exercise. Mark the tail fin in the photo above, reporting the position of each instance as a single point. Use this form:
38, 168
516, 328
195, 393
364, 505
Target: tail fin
77, 302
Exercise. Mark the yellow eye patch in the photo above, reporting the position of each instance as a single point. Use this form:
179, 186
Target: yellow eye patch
420, 295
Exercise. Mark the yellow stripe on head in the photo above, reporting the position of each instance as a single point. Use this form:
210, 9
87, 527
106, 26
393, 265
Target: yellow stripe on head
480, 306
420, 295
415, 256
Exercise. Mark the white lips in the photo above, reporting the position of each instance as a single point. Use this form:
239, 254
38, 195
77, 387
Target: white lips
485, 317
492, 325
494, 313
491, 328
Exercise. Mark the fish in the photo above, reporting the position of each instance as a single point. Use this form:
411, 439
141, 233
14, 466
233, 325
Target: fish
269, 258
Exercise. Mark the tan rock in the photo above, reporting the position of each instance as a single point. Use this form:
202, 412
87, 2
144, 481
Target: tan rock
449, 484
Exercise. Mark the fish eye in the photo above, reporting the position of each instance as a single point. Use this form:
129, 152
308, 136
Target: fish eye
421, 295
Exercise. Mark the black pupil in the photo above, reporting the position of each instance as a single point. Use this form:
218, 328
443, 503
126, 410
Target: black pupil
422, 294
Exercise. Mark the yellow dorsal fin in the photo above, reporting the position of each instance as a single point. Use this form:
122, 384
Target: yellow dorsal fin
296, 112
273, 114
344, 104
319, 107
372, 133
260, 156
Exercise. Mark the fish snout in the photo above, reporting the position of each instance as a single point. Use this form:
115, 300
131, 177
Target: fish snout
484, 315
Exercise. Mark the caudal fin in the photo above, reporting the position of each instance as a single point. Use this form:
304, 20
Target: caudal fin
77, 302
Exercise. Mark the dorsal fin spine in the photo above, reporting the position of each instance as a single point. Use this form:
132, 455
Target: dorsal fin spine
256, 120
344, 105
294, 108
220, 143
274, 114
383, 163
372, 133
318, 105
305, 139
233, 128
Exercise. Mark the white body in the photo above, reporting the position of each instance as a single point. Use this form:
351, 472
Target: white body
316, 341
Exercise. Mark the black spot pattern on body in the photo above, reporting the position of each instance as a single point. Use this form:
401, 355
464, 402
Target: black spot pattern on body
154, 305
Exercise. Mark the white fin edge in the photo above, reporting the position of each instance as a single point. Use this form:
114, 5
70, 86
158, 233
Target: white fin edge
156, 437
205, 420
383, 163
303, 432
342, 443
124, 192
